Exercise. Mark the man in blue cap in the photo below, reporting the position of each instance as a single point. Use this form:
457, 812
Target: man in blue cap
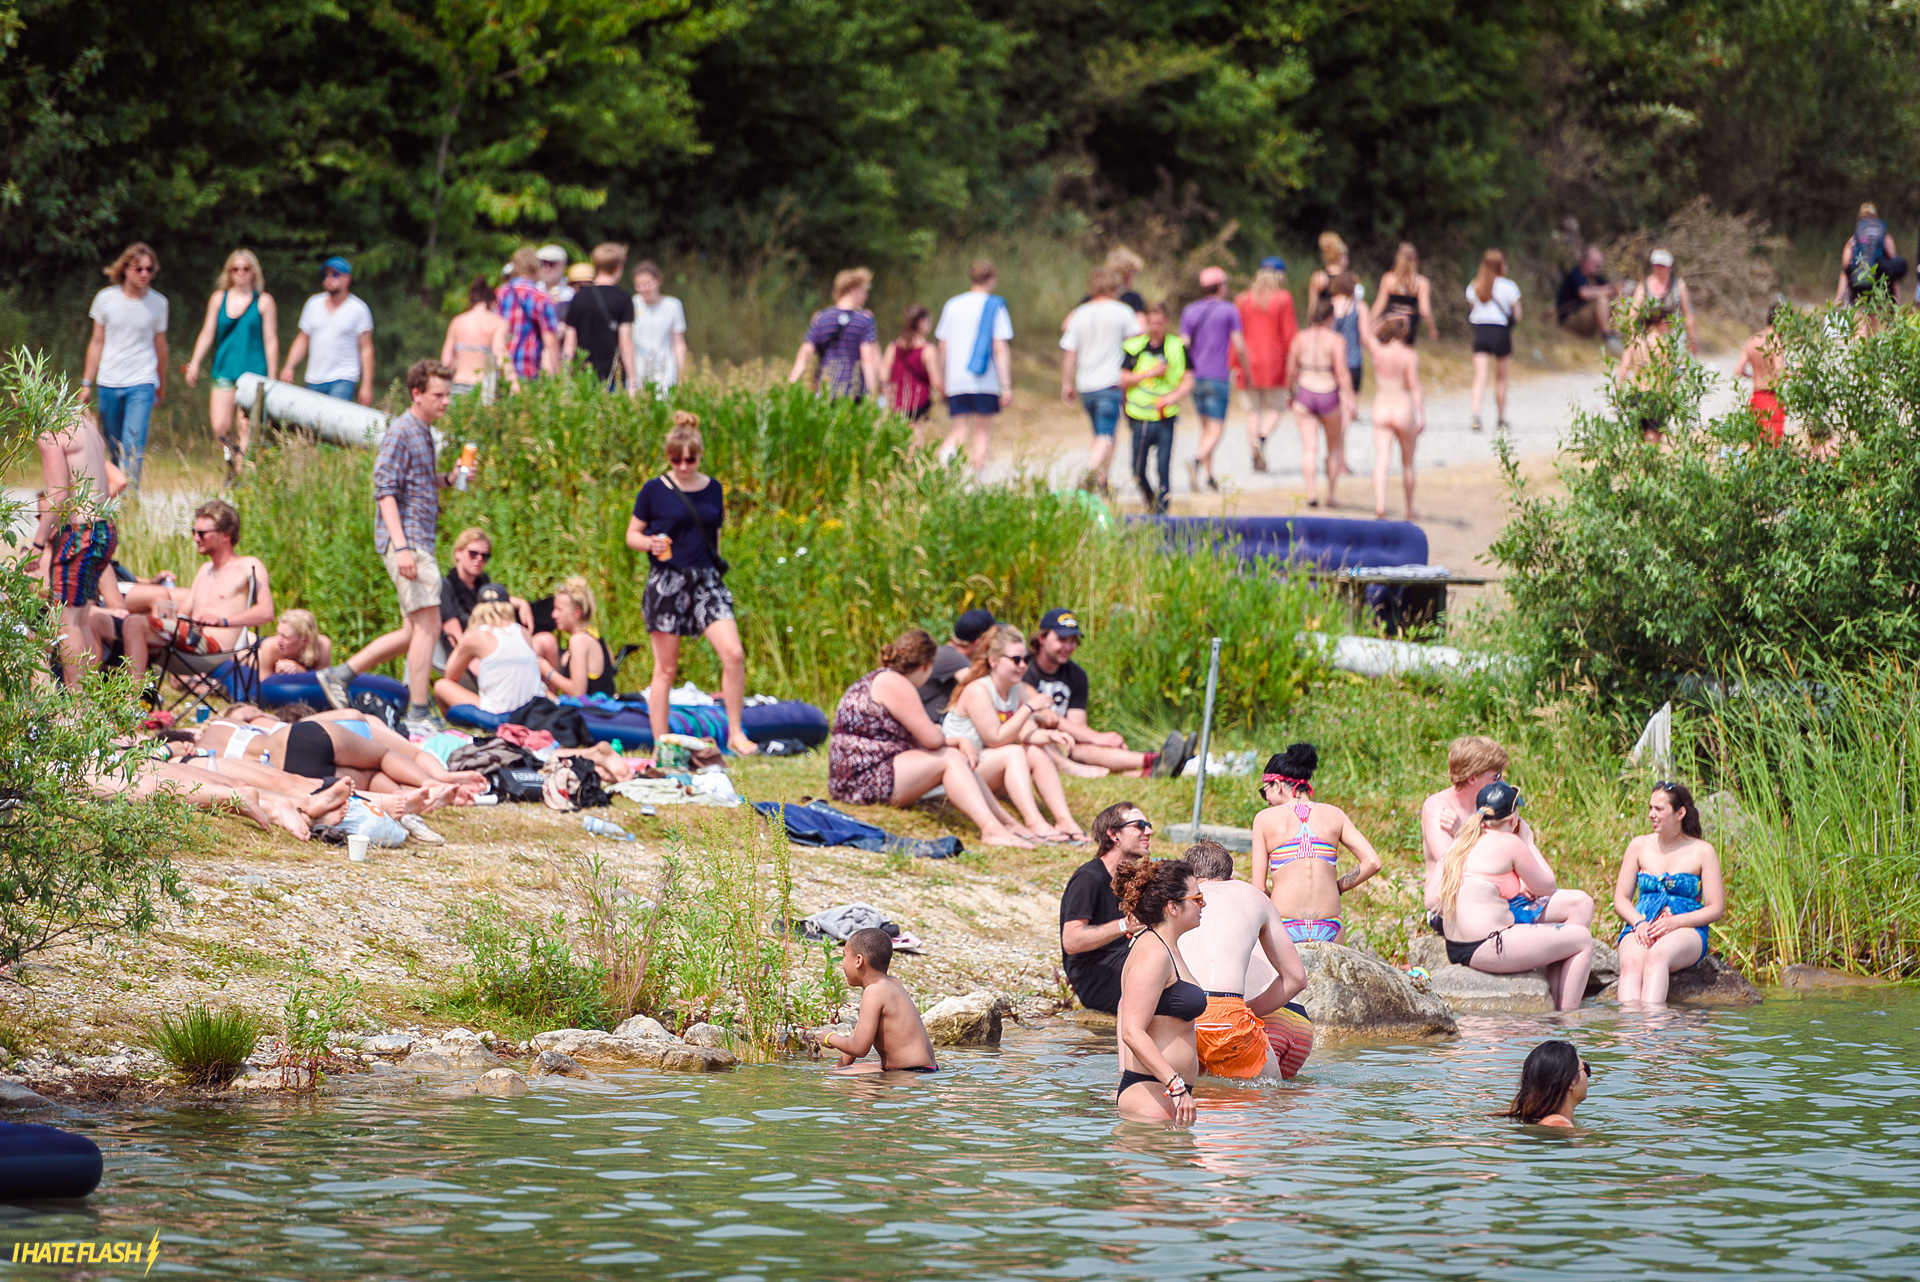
336, 337
1053, 673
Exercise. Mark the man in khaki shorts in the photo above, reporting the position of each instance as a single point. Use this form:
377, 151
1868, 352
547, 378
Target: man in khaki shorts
406, 496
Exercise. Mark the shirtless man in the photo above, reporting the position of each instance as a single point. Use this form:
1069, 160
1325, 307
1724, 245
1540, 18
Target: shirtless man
1473, 762
1399, 404
1237, 1036
74, 540
217, 598
1760, 359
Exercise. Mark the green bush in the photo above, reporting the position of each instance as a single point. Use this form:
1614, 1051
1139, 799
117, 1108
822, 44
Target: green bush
528, 969
207, 1047
312, 1015
1722, 551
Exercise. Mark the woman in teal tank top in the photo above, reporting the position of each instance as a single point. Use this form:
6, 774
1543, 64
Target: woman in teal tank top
242, 333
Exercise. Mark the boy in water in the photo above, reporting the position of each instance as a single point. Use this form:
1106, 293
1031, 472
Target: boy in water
889, 1021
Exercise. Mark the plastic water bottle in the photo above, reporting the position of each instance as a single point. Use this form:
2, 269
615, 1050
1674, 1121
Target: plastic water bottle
619, 748
604, 828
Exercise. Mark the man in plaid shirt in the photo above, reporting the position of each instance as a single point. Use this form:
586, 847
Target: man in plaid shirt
533, 326
406, 496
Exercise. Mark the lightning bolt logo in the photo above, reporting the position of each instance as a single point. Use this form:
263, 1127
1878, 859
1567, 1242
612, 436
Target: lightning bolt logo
153, 1253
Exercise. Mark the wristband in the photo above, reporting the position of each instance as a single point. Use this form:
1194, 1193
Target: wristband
1174, 1081
86, 382
403, 550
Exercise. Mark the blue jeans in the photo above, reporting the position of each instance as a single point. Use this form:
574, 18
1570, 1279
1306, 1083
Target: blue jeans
125, 413
1210, 398
1148, 438
340, 389
1103, 409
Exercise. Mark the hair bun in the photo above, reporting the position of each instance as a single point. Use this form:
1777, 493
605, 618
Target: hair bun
685, 418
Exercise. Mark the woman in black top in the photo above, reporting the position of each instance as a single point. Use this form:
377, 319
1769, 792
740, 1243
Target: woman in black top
676, 521
1158, 999
586, 667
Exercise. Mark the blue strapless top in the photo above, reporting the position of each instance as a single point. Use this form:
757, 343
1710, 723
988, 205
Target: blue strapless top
1678, 892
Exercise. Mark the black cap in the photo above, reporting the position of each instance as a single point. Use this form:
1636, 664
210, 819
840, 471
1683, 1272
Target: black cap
492, 592
973, 625
1062, 623
1499, 797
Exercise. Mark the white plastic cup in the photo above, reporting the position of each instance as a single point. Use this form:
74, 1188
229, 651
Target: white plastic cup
357, 847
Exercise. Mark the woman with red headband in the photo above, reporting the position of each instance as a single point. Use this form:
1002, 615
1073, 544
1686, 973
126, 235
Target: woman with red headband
1296, 849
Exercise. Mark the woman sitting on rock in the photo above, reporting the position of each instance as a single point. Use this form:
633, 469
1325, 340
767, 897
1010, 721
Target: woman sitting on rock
1668, 893
994, 709
1158, 999
886, 751
1296, 849
1479, 926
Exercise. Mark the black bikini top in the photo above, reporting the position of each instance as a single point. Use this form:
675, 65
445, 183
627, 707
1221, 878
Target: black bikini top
1181, 999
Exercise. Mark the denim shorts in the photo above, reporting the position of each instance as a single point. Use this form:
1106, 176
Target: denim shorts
1103, 408
340, 389
1210, 397
974, 403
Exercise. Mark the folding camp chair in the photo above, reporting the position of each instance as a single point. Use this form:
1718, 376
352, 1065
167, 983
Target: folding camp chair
199, 675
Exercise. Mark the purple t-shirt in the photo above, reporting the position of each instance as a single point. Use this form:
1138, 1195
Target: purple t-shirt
837, 334
1209, 326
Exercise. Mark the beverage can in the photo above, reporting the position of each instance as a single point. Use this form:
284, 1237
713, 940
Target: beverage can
668, 554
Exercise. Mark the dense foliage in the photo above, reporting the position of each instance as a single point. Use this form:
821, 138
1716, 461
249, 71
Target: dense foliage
428, 137
1717, 550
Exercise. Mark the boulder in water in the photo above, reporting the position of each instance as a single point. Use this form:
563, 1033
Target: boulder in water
553, 1063
1351, 995
1712, 983
450, 1056
15, 1096
1469, 991
710, 1035
503, 1083
644, 1026
972, 1020
609, 1050
1801, 975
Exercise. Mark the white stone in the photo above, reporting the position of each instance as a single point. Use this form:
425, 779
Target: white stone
644, 1026
972, 1020
590, 1046
501, 1082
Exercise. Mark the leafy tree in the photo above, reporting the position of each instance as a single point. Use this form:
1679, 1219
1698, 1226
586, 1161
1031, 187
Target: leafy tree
72, 865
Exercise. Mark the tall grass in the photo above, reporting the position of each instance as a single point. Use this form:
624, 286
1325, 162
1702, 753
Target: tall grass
839, 536
1825, 866
207, 1047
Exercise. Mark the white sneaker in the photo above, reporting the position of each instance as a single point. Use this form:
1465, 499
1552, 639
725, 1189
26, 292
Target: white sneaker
417, 829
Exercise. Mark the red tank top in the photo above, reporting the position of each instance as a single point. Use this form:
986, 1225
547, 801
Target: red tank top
912, 390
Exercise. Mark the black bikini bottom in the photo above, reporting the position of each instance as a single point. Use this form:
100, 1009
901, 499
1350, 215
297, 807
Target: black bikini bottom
1130, 1078
1462, 954
918, 1068
309, 751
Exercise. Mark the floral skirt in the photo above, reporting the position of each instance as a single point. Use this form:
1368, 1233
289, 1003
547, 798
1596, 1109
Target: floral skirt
685, 602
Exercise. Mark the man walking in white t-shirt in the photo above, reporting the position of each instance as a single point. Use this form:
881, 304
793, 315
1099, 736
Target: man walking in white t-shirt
1090, 366
126, 366
336, 326
659, 330
976, 350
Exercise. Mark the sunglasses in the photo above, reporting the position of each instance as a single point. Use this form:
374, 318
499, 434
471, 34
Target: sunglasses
680, 460
146, 268
1587, 1069
201, 534
1199, 897
480, 556
1141, 824
1018, 660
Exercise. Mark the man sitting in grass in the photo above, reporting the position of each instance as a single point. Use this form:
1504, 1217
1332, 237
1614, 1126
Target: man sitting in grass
889, 1022
953, 658
1095, 752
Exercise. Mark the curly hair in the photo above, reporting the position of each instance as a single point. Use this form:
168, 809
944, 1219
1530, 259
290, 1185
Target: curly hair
1146, 886
908, 652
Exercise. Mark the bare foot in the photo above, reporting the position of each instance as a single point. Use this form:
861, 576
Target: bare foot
327, 799
1080, 770
742, 746
1006, 838
249, 799
439, 797
286, 812
468, 779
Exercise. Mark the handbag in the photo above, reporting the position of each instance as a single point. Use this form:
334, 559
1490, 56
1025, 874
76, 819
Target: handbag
712, 536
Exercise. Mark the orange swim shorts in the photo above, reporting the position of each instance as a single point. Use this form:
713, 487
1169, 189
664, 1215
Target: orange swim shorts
1231, 1038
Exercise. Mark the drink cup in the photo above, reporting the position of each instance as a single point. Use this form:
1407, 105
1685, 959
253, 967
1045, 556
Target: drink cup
357, 847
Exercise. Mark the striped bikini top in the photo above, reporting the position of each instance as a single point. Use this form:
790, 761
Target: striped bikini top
1306, 844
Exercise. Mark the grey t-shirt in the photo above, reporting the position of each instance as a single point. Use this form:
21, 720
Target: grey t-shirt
948, 663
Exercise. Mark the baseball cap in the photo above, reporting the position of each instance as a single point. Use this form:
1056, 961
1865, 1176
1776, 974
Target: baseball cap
1064, 623
580, 273
492, 592
550, 254
1211, 276
973, 625
1660, 258
1500, 797
338, 264
1273, 263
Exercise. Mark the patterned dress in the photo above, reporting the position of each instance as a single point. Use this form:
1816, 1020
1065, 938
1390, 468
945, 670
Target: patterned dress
866, 739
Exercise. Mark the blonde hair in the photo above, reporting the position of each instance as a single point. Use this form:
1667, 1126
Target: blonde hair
116, 271
1493, 265
609, 259
225, 279
307, 628
1124, 260
492, 614
851, 278
1869, 210
1406, 268
1332, 248
468, 537
1003, 637
1474, 754
1454, 864
575, 589
1266, 283
525, 261
685, 434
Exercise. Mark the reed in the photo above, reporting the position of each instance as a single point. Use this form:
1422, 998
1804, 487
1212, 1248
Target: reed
205, 1046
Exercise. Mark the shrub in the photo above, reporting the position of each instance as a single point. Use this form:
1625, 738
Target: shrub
312, 1016
207, 1047
527, 968
1721, 551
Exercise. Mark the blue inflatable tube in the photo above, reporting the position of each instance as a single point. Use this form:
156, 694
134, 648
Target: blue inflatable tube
39, 1162
608, 720
279, 691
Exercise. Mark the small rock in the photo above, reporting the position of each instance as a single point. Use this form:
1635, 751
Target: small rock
972, 1020
709, 1035
1469, 991
389, 1044
1606, 966
501, 1082
552, 1063
459, 1035
446, 1056
1096, 1019
14, 1095
1352, 995
644, 1026
252, 879
590, 1046
261, 1079
1711, 983
428, 1060
486, 1036
380, 1068
1801, 975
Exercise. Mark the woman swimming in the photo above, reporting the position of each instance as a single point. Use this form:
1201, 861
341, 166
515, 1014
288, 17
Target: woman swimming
1553, 1082
1668, 892
1399, 406
1479, 925
1158, 999
1296, 849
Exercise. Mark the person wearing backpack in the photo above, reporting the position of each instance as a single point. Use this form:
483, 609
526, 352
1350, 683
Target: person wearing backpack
676, 522
1869, 257
600, 319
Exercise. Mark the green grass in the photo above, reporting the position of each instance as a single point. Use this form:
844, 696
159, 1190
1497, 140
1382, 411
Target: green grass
207, 1047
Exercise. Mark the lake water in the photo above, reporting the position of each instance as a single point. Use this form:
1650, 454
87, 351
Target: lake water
1778, 1141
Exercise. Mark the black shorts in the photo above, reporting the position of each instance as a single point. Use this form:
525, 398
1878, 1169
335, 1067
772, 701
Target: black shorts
1493, 340
309, 751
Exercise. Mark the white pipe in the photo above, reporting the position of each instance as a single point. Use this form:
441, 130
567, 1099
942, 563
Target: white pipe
342, 422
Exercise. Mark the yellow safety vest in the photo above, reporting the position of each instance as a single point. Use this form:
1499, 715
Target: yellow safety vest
1142, 395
